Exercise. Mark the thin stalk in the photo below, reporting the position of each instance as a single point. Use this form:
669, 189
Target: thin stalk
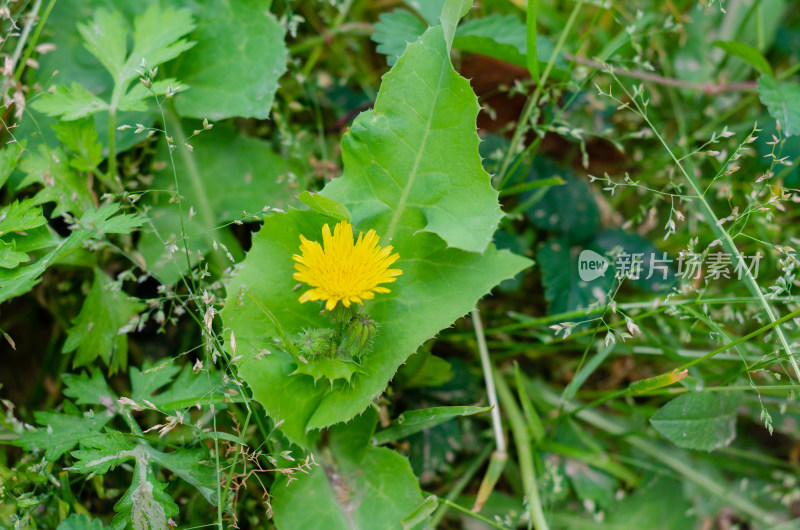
522, 443
34, 39
491, 393
351, 29
317, 51
500, 456
112, 131
631, 389
529, 322
462, 483
23, 38
474, 515
533, 101
722, 234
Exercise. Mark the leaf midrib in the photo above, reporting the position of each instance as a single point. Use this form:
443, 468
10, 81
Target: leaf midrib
407, 189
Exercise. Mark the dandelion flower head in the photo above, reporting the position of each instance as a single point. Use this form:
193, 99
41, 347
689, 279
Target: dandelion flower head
344, 270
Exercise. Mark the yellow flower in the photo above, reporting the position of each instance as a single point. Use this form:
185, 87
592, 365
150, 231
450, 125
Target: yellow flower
340, 270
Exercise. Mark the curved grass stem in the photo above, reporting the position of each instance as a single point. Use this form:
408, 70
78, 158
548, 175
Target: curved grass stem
713, 222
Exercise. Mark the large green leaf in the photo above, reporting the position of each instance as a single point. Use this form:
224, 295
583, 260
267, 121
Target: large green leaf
569, 209
100, 453
235, 67
412, 173
563, 287
145, 506
657, 273
782, 101
355, 486
699, 420
658, 504
746, 53
433, 291
411, 164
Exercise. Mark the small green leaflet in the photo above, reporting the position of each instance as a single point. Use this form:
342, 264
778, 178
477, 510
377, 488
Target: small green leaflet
414, 421
60, 183
59, 432
88, 389
96, 329
93, 223
157, 38
19, 216
80, 137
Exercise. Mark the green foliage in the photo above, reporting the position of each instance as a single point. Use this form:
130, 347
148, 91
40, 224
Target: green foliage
578, 223
564, 289
427, 206
144, 506
781, 99
80, 522
222, 87
504, 37
60, 183
157, 38
355, 487
88, 389
59, 432
409, 185
658, 503
92, 225
80, 137
97, 330
394, 31
746, 53
703, 421
414, 421
225, 175
124, 209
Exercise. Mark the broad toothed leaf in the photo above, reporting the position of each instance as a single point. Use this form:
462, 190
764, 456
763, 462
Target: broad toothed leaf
412, 173
411, 164
356, 486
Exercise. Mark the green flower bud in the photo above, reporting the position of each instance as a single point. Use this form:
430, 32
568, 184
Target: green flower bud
357, 339
317, 343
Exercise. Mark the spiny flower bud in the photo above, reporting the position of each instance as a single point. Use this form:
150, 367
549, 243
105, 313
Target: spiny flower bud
357, 339
317, 343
